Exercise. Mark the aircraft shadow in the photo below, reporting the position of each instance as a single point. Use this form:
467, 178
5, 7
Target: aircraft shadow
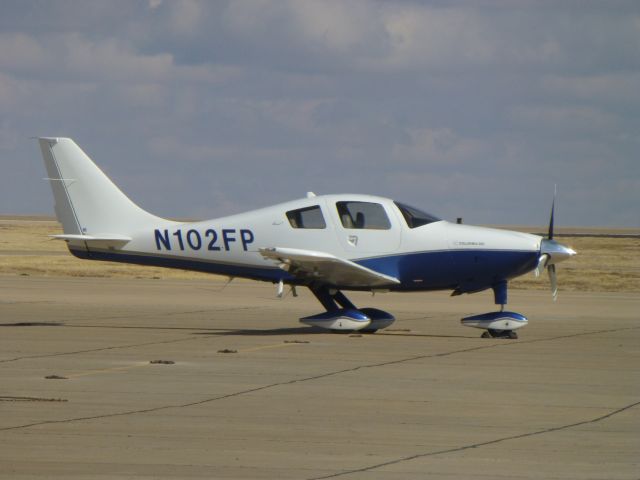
424, 335
316, 331
32, 324
307, 330
267, 332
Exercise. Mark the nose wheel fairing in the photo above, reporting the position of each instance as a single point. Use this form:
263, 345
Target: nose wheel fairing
341, 319
497, 324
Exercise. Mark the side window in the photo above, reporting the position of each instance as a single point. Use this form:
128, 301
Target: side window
363, 215
310, 217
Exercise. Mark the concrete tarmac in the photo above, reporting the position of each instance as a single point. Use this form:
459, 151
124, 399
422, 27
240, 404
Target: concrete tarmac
428, 398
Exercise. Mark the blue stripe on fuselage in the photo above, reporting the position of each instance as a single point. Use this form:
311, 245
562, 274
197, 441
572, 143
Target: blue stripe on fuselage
466, 270
228, 269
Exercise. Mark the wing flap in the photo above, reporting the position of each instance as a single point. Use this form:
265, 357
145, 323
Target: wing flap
327, 268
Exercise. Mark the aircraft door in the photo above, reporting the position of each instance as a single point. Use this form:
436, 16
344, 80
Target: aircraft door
366, 227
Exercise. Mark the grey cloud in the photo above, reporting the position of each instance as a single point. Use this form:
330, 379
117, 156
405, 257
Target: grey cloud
470, 109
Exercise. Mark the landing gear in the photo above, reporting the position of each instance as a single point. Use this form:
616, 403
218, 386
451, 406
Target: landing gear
497, 324
491, 333
342, 315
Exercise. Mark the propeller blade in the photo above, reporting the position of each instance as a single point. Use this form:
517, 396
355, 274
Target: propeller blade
551, 270
553, 208
542, 262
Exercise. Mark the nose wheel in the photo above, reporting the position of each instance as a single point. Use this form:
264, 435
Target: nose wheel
491, 333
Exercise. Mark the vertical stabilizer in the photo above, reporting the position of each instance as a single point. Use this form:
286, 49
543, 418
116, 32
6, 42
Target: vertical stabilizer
86, 201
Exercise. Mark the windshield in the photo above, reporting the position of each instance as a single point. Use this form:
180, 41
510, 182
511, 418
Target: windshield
414, 217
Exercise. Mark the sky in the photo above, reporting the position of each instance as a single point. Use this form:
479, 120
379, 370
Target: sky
199, 109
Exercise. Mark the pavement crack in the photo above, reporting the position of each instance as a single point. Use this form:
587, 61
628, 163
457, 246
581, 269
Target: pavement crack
168, 314
101, 349
477, 445
574, 335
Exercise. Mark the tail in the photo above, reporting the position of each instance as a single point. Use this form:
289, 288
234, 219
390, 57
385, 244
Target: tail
87, 203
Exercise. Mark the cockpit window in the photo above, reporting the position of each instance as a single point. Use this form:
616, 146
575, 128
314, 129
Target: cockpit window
309, 217
363, 215
414, 217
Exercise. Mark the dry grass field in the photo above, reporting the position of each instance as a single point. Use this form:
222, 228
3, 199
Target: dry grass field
26, 249
603, 264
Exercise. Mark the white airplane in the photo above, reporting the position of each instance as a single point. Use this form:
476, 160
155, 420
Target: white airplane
327, 243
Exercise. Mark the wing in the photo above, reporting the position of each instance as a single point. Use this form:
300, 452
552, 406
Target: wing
326, 268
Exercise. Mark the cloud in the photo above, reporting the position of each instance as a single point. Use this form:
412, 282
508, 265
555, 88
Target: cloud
72, 56
186, 16
563, 119
231, 105
617, 87
442, 147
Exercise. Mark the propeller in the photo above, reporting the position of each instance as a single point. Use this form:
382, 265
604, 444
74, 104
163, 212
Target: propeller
552, 252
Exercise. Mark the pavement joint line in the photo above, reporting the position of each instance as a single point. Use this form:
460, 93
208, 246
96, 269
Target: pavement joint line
477, 445
574, 335
183, 312
108, 370
300, 380
143, 315
140, 327
265, 347
59, 354
91, 350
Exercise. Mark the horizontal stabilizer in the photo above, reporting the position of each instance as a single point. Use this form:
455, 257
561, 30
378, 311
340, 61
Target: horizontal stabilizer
106, 240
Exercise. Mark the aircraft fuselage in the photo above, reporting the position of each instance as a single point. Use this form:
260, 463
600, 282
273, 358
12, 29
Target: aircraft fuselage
437, 256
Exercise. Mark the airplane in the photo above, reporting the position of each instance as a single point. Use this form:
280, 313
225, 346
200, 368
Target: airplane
327, 243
